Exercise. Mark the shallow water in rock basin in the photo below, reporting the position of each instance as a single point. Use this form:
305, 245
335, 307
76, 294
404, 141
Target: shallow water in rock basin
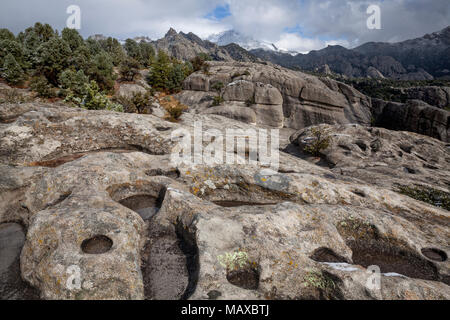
12, 287
145, 205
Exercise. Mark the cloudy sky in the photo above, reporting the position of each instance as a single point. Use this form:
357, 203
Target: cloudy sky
300, 25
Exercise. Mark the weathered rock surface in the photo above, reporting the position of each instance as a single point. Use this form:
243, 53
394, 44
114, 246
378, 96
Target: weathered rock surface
435, 96
305, 100
415, 116
128, 90
382, 157
82, 182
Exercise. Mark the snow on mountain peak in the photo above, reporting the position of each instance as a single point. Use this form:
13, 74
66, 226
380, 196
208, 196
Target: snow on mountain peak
248, 43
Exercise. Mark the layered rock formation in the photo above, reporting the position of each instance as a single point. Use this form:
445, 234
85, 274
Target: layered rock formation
414, 116
273, 96
107, 216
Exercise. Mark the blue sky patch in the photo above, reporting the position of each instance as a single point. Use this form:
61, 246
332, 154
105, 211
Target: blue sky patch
219, 12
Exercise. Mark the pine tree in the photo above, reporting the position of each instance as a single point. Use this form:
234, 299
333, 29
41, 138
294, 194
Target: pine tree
73, 38
53, 57
12, 71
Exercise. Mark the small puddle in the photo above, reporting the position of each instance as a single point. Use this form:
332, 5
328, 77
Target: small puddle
145, 205
97, 245
435, 254
327, 255
12, 287
392, 259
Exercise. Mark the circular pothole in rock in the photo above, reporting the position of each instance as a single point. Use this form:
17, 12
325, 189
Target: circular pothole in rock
97, 245
246, 278
170, 264
165, 272
434, 254
12, 286
327, 255
393, 259
145, 205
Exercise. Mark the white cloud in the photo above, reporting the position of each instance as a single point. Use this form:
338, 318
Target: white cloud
261, 19
294, 42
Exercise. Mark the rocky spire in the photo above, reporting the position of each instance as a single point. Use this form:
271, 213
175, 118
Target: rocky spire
172, 32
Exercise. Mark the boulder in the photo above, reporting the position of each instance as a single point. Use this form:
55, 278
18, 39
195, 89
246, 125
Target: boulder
128, 90
240, 90
267, 94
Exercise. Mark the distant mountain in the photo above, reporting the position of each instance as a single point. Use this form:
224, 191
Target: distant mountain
246, 42
186, 46
423, 58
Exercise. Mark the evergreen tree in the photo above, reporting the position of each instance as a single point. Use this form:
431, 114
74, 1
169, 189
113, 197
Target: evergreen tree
115, 50
73, 38
147, 53
81, 59
44, 32
53, 57
15, 49
101, 70
159, 74
12, 71
5, 34
133, 49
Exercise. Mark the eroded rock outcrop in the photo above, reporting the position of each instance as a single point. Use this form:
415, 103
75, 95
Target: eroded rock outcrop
278, 97
415, 116
380, 156
128, 220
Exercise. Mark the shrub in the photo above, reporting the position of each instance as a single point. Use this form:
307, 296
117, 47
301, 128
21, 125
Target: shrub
198, 63
11, 96
321, 142
73, 82
129, 69
94, 99
42, 87
218, 86
12, 71
429, 195
175, 112
217, 101
138, 103
234, 260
